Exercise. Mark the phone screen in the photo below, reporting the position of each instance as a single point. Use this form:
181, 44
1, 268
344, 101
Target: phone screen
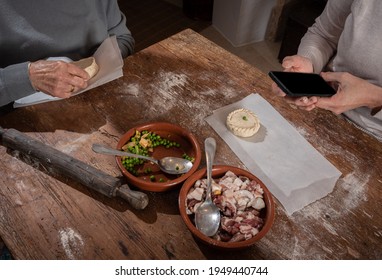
302, 84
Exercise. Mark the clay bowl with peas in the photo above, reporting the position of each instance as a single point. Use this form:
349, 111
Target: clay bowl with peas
157, 140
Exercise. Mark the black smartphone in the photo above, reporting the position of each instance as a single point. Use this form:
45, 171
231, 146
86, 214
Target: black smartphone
297, 84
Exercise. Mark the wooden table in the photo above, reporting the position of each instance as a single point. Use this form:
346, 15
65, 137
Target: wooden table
181, 80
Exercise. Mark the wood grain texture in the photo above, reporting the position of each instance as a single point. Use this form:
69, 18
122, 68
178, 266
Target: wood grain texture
180, 80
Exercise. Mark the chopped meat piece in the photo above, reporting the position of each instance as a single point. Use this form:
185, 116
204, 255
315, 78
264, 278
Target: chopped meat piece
197, 194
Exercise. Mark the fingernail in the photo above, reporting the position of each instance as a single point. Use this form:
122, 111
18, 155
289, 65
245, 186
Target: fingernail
304, 99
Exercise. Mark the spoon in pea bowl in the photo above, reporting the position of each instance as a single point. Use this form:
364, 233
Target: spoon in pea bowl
170, 165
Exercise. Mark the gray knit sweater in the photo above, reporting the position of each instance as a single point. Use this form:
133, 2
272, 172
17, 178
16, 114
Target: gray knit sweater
33, 30
351, 31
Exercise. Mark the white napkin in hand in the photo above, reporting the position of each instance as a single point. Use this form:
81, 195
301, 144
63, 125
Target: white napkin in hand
109, 60
291, 168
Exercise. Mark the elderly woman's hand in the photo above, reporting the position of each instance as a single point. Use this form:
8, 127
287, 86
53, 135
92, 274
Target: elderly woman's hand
57, 78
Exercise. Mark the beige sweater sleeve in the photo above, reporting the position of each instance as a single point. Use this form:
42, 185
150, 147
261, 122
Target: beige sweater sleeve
320, 42
349, 32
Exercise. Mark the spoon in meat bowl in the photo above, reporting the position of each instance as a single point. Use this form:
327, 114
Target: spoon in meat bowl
207, 215
170, 165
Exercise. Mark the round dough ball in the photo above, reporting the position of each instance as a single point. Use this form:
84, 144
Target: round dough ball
89, 65
243, 123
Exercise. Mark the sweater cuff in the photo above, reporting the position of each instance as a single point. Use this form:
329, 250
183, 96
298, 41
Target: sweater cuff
16, 81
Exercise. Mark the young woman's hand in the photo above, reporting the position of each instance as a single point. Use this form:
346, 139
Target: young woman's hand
297, 63
352, 92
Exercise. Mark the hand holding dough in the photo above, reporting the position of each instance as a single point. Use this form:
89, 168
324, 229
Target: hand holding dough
57, 78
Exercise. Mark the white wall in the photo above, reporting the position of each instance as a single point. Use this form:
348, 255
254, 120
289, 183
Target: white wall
242, 22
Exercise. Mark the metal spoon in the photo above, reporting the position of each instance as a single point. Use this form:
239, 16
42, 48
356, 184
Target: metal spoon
170, 165
207, 215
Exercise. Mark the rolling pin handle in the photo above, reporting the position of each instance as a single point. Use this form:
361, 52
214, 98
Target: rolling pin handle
138, 200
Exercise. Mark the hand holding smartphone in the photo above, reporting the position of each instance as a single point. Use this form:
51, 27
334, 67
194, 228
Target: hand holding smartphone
296, 84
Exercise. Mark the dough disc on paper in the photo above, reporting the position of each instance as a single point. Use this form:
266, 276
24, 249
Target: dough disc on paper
89, 65
243, 123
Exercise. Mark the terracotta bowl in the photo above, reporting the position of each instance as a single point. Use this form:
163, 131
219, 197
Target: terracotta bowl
162, 181
218, 171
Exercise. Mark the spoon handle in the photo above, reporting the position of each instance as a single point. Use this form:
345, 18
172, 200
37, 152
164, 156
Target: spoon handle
210, 148
109, 151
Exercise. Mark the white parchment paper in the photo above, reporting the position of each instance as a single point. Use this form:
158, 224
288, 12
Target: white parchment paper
109, 60
292, 169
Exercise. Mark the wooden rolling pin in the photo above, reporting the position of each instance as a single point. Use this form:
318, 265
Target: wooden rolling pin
65, 165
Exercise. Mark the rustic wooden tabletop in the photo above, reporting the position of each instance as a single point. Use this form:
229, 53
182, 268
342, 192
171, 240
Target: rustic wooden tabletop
179, 80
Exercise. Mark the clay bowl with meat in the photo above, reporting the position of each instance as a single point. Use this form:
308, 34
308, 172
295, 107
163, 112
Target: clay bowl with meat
246, 206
